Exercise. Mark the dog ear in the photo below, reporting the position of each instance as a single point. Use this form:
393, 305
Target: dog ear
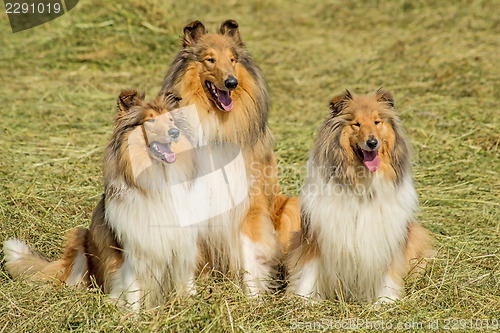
385, 96
192, 33
128, 99
230, 28
171, 99
338, 102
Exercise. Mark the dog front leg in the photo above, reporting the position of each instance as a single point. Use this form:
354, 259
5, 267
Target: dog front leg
259, 250
126, 287
304, 281
390, 290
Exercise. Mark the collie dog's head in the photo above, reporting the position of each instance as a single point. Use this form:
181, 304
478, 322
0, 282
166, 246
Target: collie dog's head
162, 136
216, 72
217, 55
148, 137
362, 136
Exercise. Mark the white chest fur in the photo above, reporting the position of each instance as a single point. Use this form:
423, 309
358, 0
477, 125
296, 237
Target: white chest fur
157, 222
359, 234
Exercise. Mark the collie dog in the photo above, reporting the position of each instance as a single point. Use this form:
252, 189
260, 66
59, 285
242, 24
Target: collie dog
140, 244
216, 73
357, 207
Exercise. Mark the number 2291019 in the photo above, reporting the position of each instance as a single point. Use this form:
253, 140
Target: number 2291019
32, 8
455, 324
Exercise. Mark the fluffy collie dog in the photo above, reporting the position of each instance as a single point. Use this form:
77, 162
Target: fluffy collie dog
357, 207
138, 246
216, 73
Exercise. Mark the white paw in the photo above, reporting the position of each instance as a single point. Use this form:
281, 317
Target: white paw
188, 289
257, 271
386, 300
254, 287
390, 292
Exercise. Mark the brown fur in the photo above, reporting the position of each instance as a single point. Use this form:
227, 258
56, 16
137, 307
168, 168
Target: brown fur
37, 267
104, 249
99, 243
213, 58
337, 159
418, 246
352, 121
303, 249
132, 111
286, 219
246, 125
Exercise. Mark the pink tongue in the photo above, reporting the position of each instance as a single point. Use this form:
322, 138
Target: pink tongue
170, 157
225, 100
371, 159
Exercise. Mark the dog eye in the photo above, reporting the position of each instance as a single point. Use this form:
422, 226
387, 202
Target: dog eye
233, 60
377, 122
211, 60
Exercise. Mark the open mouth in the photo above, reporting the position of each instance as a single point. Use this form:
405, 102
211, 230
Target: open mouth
222, 97
163, 151
370, 158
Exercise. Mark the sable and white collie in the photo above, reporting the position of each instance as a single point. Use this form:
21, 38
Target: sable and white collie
140, 245
216, 73
357, 206
183, 191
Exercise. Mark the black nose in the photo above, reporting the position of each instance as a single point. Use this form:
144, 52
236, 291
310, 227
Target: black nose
371, 143
231, 83
173, 133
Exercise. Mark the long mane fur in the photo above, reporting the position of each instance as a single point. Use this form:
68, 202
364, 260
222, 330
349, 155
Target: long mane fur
247, 123
333, 161
357, 244
132, 112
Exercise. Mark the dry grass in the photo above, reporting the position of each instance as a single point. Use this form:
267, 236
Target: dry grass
440, 60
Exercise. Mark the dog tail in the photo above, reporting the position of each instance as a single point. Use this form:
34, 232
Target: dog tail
72, 268
285, 215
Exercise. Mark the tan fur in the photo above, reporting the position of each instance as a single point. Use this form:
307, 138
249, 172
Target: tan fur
36, 267
99, 243
302, 250
213, 58
418, 246
76, 244
117, 164
39, 268
367, 110
352, 119
286, 219
336, 168
104, 251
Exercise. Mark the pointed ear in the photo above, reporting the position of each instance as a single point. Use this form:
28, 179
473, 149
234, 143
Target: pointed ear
230, 28
338, 102
192, 33
128, 99
171, 99
385, 96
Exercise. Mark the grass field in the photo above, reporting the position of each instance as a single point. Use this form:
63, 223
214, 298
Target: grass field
440, 59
